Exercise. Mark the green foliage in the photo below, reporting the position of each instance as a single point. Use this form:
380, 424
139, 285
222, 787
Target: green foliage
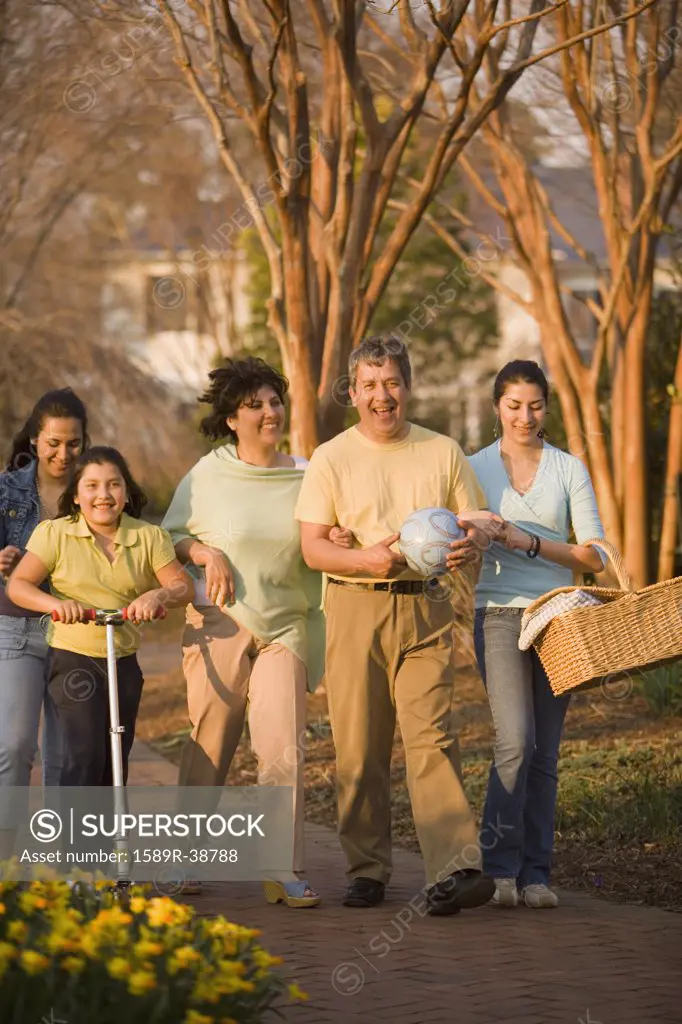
259, 340
436, 302
439, 306
662, 688
663, 342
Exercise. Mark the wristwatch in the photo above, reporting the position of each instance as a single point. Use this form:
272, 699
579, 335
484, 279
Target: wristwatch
534, 549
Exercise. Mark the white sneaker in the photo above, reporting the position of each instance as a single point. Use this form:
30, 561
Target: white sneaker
539, 897
506, 893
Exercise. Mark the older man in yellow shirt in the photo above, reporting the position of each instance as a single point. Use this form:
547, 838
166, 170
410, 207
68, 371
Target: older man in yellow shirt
389, 643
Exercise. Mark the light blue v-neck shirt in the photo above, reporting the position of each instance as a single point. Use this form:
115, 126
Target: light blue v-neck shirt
561, 496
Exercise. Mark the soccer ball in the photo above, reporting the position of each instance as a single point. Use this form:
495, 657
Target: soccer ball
425, 539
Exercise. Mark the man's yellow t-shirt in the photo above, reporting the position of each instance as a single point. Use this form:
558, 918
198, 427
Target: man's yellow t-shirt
372, 488
80, 571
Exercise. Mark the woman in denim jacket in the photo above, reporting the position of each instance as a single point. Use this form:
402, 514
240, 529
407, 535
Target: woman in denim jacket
35, 477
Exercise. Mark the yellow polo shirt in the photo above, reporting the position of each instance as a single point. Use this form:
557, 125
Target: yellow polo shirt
80, 571
372, 488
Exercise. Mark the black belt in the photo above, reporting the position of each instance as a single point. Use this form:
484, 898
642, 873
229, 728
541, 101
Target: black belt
389, 586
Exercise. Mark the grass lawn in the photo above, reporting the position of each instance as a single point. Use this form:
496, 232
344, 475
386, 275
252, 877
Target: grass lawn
619, 820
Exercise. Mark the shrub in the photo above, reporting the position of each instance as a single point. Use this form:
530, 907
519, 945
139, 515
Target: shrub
76, 954
662, 688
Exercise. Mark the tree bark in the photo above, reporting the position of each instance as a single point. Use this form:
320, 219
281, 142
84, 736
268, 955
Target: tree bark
585, 432
635, 493
319, 226
303, 426
671, 510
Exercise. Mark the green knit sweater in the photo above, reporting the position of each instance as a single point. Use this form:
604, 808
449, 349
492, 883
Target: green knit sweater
248, 513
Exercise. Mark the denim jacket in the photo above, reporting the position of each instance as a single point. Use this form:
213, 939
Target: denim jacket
19, 510
19, 506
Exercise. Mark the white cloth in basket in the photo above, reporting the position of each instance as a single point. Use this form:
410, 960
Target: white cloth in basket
532, 625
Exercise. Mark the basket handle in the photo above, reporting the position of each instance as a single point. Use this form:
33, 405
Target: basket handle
616, 561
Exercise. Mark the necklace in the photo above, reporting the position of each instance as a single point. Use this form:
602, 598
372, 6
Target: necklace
48, 509
521, 488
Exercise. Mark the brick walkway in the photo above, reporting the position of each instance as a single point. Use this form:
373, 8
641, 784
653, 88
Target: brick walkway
589, 961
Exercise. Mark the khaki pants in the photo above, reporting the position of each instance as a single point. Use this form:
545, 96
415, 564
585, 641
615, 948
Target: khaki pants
391, 654
226, 666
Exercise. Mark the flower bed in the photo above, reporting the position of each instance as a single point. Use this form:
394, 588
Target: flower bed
76, 954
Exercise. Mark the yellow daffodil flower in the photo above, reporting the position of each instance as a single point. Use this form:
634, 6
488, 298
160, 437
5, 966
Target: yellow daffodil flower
72, 964
118, 967
17, 931
29, 902
145, 948
296, 993
194, 1017
141, 982
33, 962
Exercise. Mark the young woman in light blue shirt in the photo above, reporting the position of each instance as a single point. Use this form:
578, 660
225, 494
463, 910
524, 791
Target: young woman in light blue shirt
541, 493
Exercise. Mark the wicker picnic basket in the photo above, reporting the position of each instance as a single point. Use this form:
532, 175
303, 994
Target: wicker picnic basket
631, 630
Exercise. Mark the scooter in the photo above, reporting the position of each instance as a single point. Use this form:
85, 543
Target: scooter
112, 619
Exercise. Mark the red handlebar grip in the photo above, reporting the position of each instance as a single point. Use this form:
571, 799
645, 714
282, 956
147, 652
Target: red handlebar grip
89, 615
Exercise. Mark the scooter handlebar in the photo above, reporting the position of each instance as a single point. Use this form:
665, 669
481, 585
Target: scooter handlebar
89, 615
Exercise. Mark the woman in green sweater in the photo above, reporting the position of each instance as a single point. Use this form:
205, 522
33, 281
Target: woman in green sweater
255, 630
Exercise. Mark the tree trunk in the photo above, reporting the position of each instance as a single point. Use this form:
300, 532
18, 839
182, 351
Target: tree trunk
617, 423
584, 430
635, 494
666, 557
303, 426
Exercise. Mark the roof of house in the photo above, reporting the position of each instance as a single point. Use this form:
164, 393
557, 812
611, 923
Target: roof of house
573, 198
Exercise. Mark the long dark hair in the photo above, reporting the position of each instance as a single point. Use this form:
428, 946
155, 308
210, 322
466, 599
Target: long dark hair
233, 384
100, 455
62, 403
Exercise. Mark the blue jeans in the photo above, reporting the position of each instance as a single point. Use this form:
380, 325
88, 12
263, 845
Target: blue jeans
23, 693
517, 831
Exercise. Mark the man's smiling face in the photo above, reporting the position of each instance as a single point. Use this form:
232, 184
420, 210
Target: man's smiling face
380, 395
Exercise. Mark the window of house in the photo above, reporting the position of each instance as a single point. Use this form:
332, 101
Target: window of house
166, 301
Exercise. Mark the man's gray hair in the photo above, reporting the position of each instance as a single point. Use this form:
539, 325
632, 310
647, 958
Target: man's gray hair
375, 351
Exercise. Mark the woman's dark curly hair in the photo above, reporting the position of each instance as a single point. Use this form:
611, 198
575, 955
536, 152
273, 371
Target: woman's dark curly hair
101, 455
234, 384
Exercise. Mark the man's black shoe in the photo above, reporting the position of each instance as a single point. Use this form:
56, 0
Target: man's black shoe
462, 890
364, 892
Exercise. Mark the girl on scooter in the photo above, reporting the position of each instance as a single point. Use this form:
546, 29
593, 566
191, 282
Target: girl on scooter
99, 554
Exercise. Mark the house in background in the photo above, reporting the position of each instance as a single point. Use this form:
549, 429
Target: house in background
572, 195
175, 320
180, 310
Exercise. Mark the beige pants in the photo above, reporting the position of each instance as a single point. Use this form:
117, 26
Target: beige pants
391, 654
226, 667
